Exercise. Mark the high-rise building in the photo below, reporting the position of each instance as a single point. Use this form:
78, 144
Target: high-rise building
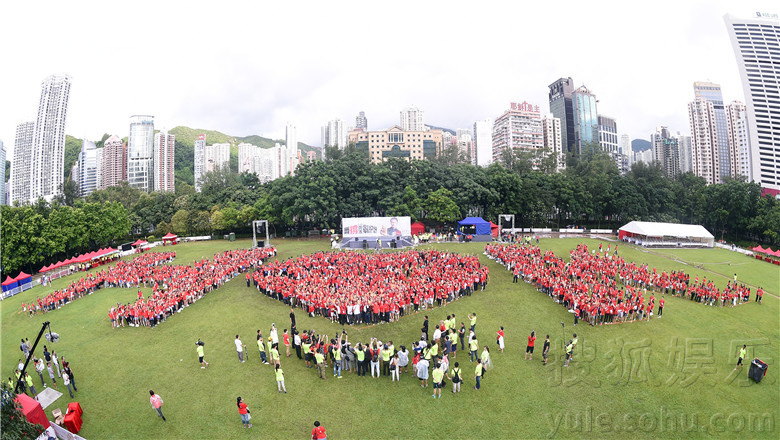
396, 142
2, 174
48, 153
291, 145
745, 151
412, 119
21, 166
89, 166
140, 153
361, 122
553, 140
483, 142
625, 144
608, 137
311, 156
586, 123
217, 157
519, 128
666, 151
684, 148
200, 160
561, 107
164, 145
114, 162
705, 153
712, 93
334, 134
734, 114
756, 43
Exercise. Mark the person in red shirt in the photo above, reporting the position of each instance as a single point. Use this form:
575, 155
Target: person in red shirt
529, 350
661, 307
244, 412
318, 433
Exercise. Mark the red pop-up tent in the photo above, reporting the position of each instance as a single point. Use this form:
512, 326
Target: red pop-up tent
32, 410
494, 229
170, 237
418, 228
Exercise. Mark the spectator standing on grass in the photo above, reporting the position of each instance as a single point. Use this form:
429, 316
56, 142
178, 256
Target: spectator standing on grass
529, 349
261, 347
478, 373
422, 371
199, 349
742, 353
500, 339
280, 379
546, 349
157, 403
286, 341
51, 375
30, 385
438, 376
39, 369
243, 411
55, 360
487, 363
239, 349
70, 374
318, 433
66, 381
456, 377
462, 335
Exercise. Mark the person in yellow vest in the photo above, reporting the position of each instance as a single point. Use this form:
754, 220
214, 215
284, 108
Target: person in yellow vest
478, 373
438, 375
473, 347
280, 379
320, 359
386, 354
199, 349
30, 385
307, 354
274, 352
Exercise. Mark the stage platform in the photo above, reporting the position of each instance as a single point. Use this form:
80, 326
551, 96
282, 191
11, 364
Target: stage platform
371, 243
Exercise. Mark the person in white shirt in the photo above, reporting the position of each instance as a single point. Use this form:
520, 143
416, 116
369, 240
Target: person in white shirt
274, 335
239, 349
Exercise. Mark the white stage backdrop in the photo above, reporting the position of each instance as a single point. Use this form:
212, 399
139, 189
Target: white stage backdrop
363, 227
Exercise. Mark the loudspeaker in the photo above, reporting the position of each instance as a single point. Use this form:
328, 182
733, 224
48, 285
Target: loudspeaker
260, 243
757, 370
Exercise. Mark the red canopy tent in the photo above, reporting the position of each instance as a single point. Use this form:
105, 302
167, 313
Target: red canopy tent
32, 410
494, 229
8, 280
139, 242
758, 249
45, 269
22, 276
170, 237
418, 228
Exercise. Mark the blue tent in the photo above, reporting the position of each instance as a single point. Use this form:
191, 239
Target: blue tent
482, 226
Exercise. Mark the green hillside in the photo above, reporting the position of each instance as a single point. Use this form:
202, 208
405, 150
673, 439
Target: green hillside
184, 161
185, 143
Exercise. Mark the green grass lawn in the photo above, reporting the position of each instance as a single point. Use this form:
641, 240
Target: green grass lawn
641, 378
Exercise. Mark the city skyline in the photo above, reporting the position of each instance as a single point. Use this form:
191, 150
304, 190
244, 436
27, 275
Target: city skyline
246, 97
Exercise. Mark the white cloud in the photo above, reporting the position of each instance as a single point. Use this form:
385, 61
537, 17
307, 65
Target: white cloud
247, 68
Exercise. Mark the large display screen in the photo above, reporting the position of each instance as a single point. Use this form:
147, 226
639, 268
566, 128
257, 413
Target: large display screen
376, 227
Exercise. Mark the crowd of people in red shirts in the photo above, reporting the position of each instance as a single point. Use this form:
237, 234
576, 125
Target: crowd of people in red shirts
176, 287
124, 274
356, 287
603, 288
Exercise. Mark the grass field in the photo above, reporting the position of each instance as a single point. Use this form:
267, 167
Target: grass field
671, 377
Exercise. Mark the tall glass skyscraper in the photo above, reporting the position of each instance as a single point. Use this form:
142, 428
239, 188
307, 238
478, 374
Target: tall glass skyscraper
756, 43
48, 152
140, 153
586, 119
561, 107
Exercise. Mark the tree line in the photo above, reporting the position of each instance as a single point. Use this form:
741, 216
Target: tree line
591, 192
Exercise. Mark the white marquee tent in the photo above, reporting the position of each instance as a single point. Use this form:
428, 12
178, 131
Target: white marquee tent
666, 235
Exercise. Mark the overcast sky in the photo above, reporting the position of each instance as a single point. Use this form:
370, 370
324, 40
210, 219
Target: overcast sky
248, 67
